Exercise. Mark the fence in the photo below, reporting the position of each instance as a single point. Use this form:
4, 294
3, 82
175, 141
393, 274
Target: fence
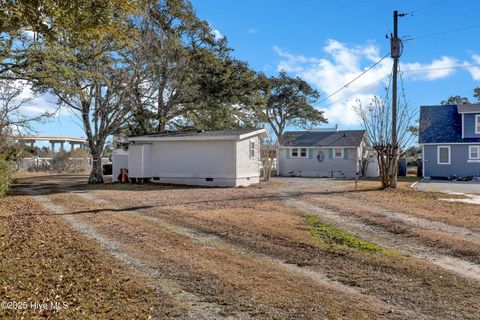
54, 164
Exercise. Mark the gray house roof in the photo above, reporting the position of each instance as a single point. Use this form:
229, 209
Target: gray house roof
201, 135
468, 108
346, 138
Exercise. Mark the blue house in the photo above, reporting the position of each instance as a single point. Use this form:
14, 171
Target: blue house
450, 140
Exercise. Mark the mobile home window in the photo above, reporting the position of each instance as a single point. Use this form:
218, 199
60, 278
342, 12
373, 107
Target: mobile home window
443, 154
252, 149
338, 152
474, 152
303, 152
477, 124
294, 152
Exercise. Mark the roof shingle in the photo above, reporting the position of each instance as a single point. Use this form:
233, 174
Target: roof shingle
345, 138
441, 124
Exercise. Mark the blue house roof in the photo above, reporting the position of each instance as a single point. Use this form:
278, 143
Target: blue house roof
441, 124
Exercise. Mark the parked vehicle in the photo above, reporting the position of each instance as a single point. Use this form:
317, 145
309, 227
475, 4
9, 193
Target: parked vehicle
107, 169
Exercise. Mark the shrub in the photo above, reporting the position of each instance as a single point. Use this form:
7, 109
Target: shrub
6, 175
70, 162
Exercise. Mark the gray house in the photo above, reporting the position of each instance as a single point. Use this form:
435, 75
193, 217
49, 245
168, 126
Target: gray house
450, 140
322, 153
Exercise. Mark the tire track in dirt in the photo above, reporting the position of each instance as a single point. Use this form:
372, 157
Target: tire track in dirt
384, 238
213, 241
196, 307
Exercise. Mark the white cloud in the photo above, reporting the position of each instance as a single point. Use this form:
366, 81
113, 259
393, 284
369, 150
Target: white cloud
341, 63
218, 35
36, 104
432, 71
252, 31
474, 71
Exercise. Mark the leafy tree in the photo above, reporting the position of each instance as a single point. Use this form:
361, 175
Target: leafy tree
455, 100
97, 81
286, 101
462, 100
193, 82
24, 24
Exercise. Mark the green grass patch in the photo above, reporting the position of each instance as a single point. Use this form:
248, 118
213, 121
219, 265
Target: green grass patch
338, 238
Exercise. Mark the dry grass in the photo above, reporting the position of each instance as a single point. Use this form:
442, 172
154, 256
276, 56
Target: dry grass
43, 261
252, 223
269, 228
421, 204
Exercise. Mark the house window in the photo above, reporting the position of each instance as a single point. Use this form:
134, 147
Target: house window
443, 154
338, 153
474, 152
252, 149
303, 152
298, 152
477, 124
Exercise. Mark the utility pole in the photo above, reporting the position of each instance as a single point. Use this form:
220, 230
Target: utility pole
395, 52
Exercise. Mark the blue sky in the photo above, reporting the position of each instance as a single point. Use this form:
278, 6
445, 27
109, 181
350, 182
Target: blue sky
330, 42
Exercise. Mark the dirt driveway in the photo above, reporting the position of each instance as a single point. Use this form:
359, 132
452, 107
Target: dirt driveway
293, 248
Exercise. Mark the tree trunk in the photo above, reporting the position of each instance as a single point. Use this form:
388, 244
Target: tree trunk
96, 175
393, 182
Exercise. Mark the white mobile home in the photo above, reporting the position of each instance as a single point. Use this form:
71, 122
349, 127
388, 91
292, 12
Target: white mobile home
226, 158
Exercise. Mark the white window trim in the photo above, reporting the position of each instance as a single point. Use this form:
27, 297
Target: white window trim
335, 153
291, 152
449, 155
470, 152
299, 153
477, 122
251, 148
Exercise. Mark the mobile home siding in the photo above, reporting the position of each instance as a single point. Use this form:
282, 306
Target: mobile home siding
140, 160
347, 166
469, 125
247, 168
459, 164
194, 159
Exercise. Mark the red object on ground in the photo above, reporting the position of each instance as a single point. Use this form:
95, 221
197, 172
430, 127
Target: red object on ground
124, 175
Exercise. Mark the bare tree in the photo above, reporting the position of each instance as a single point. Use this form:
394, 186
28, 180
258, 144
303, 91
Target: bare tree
377, 120
14, 121
268, 154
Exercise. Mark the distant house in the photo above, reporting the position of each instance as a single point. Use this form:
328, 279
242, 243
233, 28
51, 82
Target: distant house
322, 153
227, 158
450, 140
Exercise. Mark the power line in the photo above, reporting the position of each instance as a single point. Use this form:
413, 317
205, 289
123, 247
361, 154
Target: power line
443, 68
355, 92
444, 32
434, 4
354, 79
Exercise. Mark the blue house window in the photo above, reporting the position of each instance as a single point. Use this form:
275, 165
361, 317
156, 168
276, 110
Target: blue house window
443, 154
